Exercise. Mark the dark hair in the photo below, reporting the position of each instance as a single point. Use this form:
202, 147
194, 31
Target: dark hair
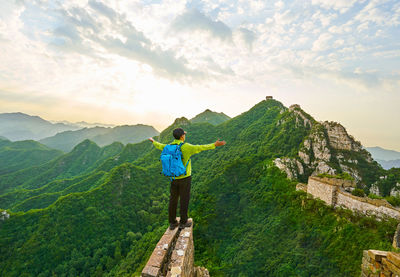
178, 132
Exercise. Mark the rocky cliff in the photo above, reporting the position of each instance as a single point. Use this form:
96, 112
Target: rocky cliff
327, 148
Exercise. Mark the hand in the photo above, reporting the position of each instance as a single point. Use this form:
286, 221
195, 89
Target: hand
219, 143
151, 139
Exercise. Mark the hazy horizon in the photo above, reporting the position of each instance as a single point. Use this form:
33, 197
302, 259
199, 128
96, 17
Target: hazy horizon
149, 62
162, 128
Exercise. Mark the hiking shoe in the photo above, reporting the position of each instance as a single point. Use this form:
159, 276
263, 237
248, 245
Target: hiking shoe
186, 224
172, 226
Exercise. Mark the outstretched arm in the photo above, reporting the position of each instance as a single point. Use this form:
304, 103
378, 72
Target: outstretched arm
156, 144
194, 149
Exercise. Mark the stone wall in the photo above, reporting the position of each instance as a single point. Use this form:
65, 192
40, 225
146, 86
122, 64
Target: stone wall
366, 206
334, 181
380, 263
323, 190
173, 256
332, 191
182, 259
158, 262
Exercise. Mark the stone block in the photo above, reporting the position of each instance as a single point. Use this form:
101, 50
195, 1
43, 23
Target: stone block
393, 268
365, 268
150, 271
377, 255
385, 274
372, 268
394, 258
366, 256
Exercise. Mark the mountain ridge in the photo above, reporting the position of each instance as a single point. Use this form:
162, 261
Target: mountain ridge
244, 207
20, 126
102, 136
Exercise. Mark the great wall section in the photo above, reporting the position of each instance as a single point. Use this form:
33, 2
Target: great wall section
335, 192
173, 256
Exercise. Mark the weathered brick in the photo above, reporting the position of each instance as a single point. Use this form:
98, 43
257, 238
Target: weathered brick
377, 255
150, 271
366, 256
394, 258
372, 268
393, 268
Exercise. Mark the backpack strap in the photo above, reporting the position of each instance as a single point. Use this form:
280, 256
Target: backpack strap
180, 145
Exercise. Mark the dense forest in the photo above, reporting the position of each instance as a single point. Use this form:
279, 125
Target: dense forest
100, 211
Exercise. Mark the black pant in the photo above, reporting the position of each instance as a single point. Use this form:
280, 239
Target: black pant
180, 188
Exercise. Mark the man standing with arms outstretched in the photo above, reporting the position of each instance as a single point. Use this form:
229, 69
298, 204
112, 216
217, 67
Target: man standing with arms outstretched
180, 186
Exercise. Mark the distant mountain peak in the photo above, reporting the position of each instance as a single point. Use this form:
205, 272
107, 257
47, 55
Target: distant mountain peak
85, 144
19, 115
211, 117
181, 121
379, 153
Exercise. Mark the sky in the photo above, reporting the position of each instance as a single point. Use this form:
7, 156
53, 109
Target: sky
149, 62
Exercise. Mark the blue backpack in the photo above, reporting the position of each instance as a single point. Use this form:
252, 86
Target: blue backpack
171, 160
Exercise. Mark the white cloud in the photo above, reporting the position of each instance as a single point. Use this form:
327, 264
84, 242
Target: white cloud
114, 53
322, 43
194, 20
325, 19
338, 5
246, 36
345, 28
284, 18
338, 43
257, 5
279, 5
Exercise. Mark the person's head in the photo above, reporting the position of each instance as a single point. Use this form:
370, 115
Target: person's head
179, 133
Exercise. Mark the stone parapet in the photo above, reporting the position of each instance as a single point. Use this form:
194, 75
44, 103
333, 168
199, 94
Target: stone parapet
335, 181
173, 256
331, 191
396, 238
367, 206
182, 258
380, 263
157, 264
323, 190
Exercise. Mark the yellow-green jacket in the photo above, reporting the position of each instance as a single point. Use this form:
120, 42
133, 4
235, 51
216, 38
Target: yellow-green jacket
187, 151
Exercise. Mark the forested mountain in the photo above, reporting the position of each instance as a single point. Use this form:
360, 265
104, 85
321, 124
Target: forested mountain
82, 159
249, 219
211, 117
20, 126
102, 136
22, 154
